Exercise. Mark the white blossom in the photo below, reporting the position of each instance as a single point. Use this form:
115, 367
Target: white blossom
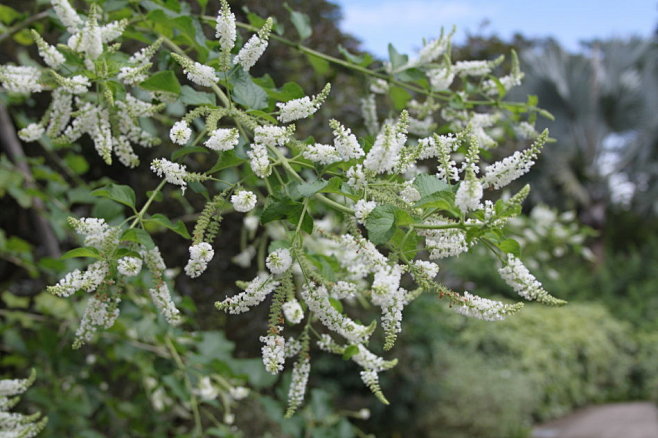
517, 276
269, 135
161, 297
468, 195
238, 392
273, 353
180, 133
251, 52
317, 299
244, 201
259, 160
200, 74
345, 142
223, 139
321, 153
113, 30
297, 390
362, 209
428, 269
20, 79
67, 15
444, 242
101, 312
432, 50
472, 68
129, 266
296, 109
225, 28
257, 290
369, 113
440, 78
50, 55
410, 194
206, 389
385, 153
31, 132
279, 261
356, 177
174, 173
293, 311
200, 255
483, 308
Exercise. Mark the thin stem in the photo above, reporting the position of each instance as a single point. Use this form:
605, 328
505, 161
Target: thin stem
148, 203
198, 429
12, 30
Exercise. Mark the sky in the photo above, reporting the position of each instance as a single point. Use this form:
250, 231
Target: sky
406, 22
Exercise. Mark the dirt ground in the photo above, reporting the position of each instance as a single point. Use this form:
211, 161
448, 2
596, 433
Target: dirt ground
617, 420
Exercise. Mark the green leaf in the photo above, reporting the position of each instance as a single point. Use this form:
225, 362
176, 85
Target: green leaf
276, 210
336, 304
226, 160
125, 252
8, 15
162, 81
428, 184
397, 60
289, 91
402, 217
510, 246
140, 236
399, 96
190, 96
380, 224
301, 22
119, 193
320, 65
294, 215
362, 60
178, 227
310, 188
247, 93
350, 351
188, 150
81, 252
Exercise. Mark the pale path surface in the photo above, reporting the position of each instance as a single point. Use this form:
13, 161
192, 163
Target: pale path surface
617, 420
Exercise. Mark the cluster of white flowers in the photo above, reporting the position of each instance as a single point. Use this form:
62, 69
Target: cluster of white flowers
196, 72
180, 133
225, 27
259, 160
441, 78
206, 390
20, 79
268, 135
469, 195
472, 68
478, 307
517, 276
385, 153
223, 139
362, 209
273, 353
161, 297
244, 201
301, 108
444, 243
410, 194
101, 312
279, 261
31, 132
174, 173
317, 299
257, 290
129, 266
428, 269
293, 311
12, 424
345, 142
50, 55
200, 255
96, 231
300, 373
501, 173
322, 153
356, 177
254, 48
343, 289
76, 280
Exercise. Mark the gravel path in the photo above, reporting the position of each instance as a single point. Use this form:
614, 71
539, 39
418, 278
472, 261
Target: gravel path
617, 420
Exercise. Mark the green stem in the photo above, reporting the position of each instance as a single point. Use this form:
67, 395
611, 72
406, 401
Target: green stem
198, 429
12, 30
148, 203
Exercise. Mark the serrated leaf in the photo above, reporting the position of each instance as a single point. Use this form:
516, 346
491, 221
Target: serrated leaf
140, 236
190, 96
177, 227
380, 224
81, 252
428, 184
162, 81
247, 93
308, 189
119, 193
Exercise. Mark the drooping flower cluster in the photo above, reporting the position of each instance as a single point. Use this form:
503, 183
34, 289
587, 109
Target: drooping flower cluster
200, 256
517, 276
13, 424
255, 293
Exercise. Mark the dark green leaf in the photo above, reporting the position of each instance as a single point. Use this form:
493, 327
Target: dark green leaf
247, 93
380, 224
178, 227
140, 236
81, 252
190, 96
188, 150
162, 81
510, 246
310, 188
428, 184
118, 193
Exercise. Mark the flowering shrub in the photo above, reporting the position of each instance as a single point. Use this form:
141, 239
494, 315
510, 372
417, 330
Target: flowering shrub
337, 229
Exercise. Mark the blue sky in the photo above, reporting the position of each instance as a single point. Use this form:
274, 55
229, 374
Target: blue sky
406, 22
